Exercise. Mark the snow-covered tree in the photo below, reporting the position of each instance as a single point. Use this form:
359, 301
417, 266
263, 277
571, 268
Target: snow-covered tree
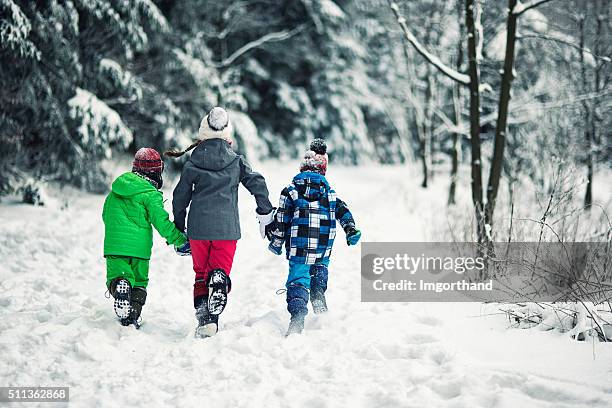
290, 71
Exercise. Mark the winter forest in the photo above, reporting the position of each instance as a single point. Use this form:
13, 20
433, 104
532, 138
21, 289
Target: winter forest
476, 121
516, 96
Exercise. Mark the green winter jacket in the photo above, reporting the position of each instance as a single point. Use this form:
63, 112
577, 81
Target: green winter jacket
129, 210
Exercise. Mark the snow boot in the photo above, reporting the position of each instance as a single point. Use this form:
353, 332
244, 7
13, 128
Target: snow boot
297, 305
200, 292
121, 291
208, 324
219, 284
137, 301
318, 286
296, 324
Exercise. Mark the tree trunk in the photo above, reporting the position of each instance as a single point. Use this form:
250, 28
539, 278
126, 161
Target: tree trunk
456, 138
430, 92
431, 85
475, 119
588, 196
502, 115
595, 112
426, 141
424, 147
419, 118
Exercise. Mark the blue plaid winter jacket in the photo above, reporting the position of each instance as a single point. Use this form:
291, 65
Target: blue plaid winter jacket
306, 219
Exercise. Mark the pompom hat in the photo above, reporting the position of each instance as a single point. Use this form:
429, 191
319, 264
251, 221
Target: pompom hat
216, 125
147, 160
316, 158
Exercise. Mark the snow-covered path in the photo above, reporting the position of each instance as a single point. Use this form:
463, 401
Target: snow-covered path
57, 328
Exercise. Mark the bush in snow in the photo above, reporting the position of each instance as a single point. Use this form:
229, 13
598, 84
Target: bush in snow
580, 321
33, 193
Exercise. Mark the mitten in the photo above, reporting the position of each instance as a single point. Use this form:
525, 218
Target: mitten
275, 250
352, 235
183, 250
266, 224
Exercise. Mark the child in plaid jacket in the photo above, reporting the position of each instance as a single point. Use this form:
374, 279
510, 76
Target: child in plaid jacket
305, 223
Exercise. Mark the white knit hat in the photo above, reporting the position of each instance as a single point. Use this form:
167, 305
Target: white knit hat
216, 125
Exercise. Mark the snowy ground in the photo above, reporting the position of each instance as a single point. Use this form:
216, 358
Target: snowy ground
57, 328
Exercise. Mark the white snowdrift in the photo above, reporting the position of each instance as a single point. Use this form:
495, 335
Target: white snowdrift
58, 329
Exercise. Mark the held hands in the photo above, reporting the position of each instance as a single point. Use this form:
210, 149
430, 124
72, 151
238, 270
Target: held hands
352, 236
183, 250
275, 250
266, 223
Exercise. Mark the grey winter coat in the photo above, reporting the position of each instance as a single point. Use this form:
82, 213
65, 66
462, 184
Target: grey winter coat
209, 182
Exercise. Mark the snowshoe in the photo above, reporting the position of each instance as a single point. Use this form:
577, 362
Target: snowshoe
121, 291
296, 325
218, 286
208, 323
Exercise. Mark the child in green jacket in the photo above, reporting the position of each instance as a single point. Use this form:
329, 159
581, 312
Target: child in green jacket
133, 205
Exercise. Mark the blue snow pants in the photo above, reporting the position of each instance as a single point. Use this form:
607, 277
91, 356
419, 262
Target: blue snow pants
301, 278
299, 274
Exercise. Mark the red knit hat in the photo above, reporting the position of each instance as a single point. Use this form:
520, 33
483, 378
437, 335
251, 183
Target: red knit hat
147, 160
316, 158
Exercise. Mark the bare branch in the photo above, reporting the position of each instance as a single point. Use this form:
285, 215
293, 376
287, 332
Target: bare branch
533, 109
520, 8
432, 59
562, 41
270, 37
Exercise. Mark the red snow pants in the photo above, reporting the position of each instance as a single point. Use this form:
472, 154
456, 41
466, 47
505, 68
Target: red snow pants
207, 256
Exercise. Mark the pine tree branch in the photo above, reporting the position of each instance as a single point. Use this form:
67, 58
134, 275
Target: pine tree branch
432, 59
